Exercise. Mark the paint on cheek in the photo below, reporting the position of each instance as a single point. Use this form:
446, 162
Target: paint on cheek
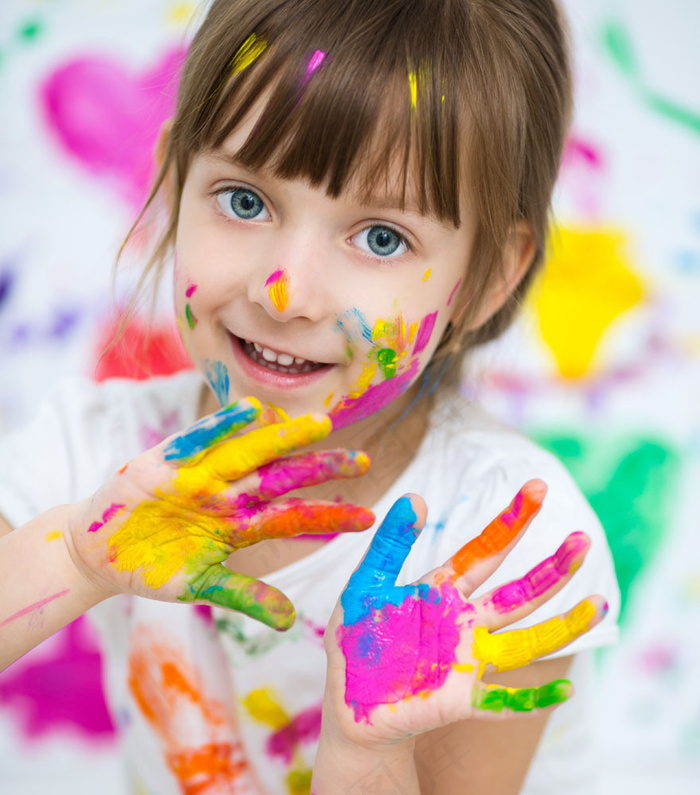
386, 359
427, 274
454, 290
217, 375
278, 288
189, 316
373, 399
395, 653
191, 290
425, 329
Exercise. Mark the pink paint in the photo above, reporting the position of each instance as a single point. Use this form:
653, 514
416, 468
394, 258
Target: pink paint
541, 578
425, 329
395, 652
577, 150
314, 62
275, 276
375, 398
510, 517
454, 290
303, 728
57, 688
107, 118
36, 606
191, 290
110, 513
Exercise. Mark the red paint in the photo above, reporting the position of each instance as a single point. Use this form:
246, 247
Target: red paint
36, 606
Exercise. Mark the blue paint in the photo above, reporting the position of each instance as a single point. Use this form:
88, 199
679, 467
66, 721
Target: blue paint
209, 431
374, 583
7, 280
354, 324
217, 374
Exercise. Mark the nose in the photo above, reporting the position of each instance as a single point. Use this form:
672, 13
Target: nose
291, 282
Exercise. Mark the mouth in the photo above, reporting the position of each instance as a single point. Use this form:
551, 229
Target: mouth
276, 369
278, 361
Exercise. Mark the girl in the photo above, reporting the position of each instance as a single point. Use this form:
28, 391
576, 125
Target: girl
357, 193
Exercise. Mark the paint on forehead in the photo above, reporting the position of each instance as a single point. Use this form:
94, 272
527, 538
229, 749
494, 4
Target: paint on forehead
278, 287
425, 329
454, 290
217, 375
314, 62
251, 49
376, 397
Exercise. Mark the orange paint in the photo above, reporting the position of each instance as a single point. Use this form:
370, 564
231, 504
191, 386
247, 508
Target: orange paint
502, 531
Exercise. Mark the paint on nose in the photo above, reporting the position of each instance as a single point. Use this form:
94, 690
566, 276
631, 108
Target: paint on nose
278, 287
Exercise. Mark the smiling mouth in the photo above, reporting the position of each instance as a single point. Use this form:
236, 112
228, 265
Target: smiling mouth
278, 361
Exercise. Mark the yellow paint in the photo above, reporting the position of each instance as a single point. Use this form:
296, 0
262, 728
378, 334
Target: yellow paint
53, 535
327, 401
413, 85
369, 370
394, 334
518, 647
427, 274
181, 13
279, 292
273, 415
264, 708
251, 49
588, 283
464, 667
299, 781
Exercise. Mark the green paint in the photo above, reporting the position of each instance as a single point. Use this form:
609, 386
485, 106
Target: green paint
261, 641
521, 699
386, 358
191, 319
631, 483
619, 46
31, 30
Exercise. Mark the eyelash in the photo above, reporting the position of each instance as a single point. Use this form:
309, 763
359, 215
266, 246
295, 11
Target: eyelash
403, 240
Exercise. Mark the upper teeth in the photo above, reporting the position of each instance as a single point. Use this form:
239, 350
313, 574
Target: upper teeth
285, 359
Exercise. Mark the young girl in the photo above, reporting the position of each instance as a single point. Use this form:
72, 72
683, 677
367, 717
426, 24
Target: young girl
357, 195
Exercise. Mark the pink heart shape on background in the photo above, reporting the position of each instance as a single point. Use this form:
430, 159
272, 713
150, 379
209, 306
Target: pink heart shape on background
108, 119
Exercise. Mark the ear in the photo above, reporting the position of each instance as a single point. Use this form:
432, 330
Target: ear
519, 254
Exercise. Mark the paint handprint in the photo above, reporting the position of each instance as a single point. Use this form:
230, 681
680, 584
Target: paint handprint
166, 523
408, 659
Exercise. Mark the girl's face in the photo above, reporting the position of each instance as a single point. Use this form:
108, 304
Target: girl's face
307, 302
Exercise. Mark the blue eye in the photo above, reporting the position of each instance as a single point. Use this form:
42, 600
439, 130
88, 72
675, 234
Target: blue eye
243, 203
382, 241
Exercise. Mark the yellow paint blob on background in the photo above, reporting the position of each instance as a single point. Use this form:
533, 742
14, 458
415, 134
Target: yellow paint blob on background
264, 708
587, 284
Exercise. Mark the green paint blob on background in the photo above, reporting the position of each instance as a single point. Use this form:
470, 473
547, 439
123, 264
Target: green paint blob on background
631, 484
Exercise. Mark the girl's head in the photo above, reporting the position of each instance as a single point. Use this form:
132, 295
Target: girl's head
363, 184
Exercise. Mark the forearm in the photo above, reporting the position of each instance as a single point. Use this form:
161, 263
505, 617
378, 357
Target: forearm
41, 590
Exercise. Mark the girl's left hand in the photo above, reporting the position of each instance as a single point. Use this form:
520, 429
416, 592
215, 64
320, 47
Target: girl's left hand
403, 660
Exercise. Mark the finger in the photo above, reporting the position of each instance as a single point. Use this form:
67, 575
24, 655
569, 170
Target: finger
219, 586
481, 556
295, 517
509, 603
309, 469
498, 699
237, 457
518, 647
186, 447
375, 577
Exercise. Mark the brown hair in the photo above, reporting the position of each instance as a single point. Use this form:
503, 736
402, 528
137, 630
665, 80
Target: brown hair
472, 97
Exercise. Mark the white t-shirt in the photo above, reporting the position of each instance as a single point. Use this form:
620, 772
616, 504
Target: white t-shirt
197, 673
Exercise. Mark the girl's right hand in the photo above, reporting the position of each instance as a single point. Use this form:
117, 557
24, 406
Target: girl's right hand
164, 525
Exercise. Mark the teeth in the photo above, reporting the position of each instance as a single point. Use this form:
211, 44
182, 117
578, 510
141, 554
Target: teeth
268, 355
285, 359
280, 362
257, 347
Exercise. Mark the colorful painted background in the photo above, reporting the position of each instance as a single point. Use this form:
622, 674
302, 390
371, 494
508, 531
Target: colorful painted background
603, 369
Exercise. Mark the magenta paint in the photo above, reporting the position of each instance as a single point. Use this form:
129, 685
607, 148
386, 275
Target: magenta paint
373, 399
110, 513
303, 728
510, 517
314, 62
454, 290
274, 277
35, 606
425, 329
394, 653
191, 290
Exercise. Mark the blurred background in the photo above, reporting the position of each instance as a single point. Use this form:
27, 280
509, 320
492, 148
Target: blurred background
603, 368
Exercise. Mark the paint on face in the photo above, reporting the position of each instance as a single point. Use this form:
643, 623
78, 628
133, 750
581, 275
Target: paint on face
33, 607
191, 290
217, 375
189, 316
386, 359
427, 274
354, 325
251, 49
454, 290
425, 330
278, 288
